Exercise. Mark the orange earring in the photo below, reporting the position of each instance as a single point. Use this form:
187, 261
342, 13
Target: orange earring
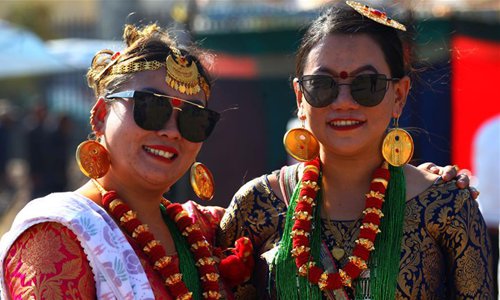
397, 147
202, 181
301, 144
92, 158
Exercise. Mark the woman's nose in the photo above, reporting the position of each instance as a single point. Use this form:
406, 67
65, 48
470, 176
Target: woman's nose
344, 98
170, 129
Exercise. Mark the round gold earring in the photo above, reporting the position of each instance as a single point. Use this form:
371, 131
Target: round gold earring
397, 147
202, 181
93, 159
301, 144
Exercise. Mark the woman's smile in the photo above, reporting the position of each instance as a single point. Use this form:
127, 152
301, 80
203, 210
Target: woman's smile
163, 153
345, 124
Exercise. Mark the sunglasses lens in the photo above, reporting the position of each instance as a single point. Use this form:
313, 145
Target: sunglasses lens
319, 90
151, 112
369, 89
196, 124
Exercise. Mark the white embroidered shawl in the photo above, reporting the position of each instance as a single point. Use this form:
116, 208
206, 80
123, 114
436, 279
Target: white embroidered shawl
117, 270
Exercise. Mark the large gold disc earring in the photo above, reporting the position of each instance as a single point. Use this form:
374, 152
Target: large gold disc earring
93, 159
301, 144
397, 147
202, 181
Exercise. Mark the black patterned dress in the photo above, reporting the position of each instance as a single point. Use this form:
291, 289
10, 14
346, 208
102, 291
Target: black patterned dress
445, 251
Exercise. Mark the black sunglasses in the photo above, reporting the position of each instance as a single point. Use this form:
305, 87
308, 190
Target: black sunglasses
366, 89
152, 111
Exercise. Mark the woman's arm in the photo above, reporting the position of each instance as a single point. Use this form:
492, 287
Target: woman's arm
48, 262
254, 212
468, 248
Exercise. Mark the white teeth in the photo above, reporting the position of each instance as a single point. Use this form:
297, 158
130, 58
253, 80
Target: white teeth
161, 153
345, 123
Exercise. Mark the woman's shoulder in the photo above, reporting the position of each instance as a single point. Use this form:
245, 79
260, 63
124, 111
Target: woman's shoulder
58, 207
257, 187
433, 193
269, 185
417, 181
68, 209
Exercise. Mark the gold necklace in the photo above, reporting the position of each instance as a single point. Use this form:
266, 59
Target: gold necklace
338, 251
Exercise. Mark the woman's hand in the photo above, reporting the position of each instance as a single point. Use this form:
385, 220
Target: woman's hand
451, 172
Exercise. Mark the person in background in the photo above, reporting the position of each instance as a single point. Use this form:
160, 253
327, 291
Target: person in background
487, 171
39, 150
60, 140
355, 220
6, 121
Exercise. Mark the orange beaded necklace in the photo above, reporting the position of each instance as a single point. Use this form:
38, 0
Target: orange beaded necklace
162, 263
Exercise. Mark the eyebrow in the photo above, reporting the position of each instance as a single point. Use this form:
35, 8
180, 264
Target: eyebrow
356, 71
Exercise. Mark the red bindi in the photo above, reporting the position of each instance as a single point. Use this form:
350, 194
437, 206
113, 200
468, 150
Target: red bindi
176, 102
343, 75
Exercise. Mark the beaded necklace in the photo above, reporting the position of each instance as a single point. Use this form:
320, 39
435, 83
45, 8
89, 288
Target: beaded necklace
364, 244
300, 245
162, 263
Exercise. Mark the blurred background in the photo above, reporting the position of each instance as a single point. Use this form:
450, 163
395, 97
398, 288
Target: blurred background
46, 47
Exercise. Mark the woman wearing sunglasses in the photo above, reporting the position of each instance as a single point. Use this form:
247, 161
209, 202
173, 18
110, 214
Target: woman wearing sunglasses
116, 237
354, 220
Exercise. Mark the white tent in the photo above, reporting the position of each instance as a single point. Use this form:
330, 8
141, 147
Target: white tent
22, 53
77, 54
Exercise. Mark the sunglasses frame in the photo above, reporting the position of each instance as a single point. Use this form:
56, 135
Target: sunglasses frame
335, 83
133, 94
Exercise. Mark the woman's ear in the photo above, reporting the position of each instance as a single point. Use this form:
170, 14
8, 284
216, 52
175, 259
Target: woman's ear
401, 90
98, 115
298, 92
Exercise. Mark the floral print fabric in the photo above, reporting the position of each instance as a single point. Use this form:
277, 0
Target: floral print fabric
117, 272
445, 251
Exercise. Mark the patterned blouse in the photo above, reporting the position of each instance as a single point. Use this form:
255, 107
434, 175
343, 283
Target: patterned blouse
445, 250
47, 261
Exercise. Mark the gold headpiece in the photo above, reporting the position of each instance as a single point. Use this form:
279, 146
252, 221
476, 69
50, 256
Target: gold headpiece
182, 74
375, 15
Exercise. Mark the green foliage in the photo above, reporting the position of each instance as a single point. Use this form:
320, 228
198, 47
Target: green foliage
32, 15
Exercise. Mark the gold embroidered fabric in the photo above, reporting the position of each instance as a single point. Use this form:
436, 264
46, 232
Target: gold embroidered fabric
445, 252
47, 262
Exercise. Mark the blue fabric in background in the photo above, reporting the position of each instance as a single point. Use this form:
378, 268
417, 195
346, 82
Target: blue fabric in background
427, 115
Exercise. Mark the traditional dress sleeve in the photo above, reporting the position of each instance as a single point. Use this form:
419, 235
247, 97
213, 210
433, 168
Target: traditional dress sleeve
457, 224
254, 212
47, 262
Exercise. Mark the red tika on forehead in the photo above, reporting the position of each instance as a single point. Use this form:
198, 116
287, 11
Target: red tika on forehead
343, 75
176, 102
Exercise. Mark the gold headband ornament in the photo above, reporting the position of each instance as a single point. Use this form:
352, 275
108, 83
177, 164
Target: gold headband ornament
182, 73
375, 15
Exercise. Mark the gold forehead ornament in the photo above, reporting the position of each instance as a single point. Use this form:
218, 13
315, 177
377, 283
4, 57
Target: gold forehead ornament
182, 73
375, 15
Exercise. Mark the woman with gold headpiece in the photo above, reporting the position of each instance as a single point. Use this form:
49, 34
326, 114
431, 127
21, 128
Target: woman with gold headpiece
355, 220
116, 237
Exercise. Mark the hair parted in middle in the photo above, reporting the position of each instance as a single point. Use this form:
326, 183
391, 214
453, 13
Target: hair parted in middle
343, 19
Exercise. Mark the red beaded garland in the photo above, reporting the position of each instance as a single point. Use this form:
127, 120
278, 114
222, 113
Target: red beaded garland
156, 254
301, 230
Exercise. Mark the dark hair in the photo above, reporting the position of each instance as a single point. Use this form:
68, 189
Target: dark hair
147, 43
343, 19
